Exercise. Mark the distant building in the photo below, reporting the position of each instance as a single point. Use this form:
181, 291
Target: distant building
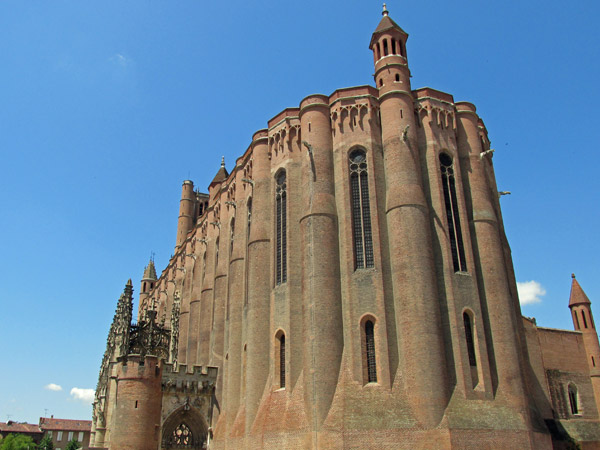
349, 285
27, 429
62, 431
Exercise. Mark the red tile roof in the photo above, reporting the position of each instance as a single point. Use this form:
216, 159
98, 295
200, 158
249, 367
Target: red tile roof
65, 424
15, 427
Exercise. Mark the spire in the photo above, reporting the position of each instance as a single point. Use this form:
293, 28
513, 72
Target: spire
222, 174
577, 297
150, 271
386, 24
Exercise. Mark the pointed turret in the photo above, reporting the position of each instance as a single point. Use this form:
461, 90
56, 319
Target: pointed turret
221, 175
577, 297
583, 320
388, 44
147, 284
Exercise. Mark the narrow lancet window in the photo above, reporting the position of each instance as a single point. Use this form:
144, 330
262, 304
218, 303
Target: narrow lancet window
231, 234
583, 317
471, 348
454, 229
282, 361
573, 399
370, 350
249, 206
361, 214
469, 338
281, 229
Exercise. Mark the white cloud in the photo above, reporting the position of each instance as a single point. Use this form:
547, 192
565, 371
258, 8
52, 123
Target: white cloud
530, 292
85, 395
120, 59
53, 387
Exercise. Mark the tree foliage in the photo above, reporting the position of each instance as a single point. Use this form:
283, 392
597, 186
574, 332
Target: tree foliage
73, 445
17, 442
46, 443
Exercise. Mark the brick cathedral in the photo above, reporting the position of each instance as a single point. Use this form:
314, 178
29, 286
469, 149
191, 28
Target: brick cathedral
348, 285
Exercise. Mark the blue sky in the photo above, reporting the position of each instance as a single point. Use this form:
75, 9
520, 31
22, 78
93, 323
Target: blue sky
106, 107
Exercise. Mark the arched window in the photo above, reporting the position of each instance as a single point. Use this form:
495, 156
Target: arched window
470, 341
361, 214
144, 287
573, 399
203, 266
385, 47
231, 234
577, 327
393, 46
583, 317
282, 361
281, 228
249, 207
454, 230
370, 352
378, 47
216, 253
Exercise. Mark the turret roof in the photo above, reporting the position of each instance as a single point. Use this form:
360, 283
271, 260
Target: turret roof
577, 297
150, 271
385, 24
221, 175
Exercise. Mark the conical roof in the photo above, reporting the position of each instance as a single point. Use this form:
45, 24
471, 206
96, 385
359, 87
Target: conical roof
150, 271
385, 24
577, 297
221, 175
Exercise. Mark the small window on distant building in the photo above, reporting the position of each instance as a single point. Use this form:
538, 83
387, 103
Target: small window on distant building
70, 438
50, 433
80, 437
59, 436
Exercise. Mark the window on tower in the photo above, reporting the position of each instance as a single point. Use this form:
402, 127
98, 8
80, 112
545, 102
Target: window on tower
470, 341
369, 360
361, 214
249, 207
231, 234
573, 399
451, 203
280, 358
281, 228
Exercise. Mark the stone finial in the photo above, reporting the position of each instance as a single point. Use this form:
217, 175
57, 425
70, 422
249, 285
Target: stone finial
223, 162
573, 275
385, 11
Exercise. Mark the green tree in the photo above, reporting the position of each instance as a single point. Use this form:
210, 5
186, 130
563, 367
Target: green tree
17, 442
46, 443
73, 445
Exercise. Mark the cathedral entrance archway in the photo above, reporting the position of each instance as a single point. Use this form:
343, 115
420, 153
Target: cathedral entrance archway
185, 428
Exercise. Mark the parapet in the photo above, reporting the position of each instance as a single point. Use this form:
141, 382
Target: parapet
197, 380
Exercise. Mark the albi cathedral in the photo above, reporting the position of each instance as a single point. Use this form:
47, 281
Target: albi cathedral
348, 285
